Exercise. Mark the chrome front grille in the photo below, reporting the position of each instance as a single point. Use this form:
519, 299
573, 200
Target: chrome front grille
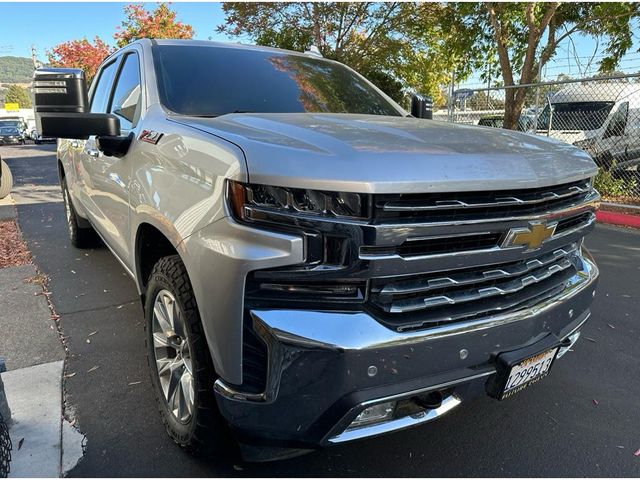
435, 299
423, 260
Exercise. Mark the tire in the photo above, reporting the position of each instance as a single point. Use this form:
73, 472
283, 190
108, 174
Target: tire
6, 180
80, 237
183, 347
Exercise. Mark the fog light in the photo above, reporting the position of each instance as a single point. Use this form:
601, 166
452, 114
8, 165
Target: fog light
375, 414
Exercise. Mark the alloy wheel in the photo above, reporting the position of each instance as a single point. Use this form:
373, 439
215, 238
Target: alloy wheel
172, 356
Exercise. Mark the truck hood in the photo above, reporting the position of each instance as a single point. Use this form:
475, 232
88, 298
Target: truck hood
379, 154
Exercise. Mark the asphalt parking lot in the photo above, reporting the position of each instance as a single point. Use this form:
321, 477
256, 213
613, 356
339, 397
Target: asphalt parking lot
583, 420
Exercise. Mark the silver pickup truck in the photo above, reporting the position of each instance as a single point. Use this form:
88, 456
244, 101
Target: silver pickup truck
316, 264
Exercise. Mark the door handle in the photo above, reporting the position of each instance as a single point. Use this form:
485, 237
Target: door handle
92, 152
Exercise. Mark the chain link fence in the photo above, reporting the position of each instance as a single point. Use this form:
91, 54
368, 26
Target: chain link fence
599, 115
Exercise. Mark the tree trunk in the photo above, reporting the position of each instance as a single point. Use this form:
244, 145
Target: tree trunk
513, 105
515, 97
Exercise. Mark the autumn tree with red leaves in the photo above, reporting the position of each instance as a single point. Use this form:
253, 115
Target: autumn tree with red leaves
80, 54
160, 23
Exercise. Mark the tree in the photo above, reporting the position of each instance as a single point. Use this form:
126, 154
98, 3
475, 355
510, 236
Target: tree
525, 36
160, 23
375, 39
19, 95
80, 54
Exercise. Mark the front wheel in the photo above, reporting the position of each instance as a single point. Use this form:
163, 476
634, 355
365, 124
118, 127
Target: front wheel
181, 369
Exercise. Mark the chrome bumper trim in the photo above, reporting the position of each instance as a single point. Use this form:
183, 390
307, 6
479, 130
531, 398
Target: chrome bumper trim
448, 404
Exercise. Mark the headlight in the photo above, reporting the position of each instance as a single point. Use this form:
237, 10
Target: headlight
247, 202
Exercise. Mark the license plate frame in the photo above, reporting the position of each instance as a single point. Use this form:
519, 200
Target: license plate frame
512, 362
529, 371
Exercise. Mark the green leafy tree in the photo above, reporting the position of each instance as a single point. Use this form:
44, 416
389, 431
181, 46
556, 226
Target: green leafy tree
375, 39
515, 40
19, 95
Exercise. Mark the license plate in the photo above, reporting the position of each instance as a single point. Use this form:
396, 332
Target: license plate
528, 371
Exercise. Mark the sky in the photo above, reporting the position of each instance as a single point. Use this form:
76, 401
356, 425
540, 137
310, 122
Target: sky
48, 24
45, 25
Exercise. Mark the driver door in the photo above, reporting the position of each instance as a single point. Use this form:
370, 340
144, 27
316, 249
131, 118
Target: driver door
111, 175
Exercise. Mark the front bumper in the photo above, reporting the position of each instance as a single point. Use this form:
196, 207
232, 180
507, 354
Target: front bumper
320, 374
10, 140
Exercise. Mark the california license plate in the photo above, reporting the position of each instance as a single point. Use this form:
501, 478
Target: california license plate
528, 371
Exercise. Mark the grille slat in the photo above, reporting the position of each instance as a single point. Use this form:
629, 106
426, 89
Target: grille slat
413, 304
414, 207
465, 278
570, 191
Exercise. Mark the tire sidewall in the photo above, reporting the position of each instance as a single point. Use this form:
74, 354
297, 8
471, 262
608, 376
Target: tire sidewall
72, 224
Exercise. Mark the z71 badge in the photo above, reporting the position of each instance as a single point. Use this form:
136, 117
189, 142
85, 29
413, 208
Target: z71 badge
150, 136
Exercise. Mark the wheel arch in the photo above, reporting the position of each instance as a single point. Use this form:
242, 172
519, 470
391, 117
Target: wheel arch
151, 243
61, 173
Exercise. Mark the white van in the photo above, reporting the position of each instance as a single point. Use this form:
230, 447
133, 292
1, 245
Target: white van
601, 118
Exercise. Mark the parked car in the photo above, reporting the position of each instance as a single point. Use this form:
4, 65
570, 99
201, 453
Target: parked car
15, 122
526, 122
11, 136
316, 265
602, 118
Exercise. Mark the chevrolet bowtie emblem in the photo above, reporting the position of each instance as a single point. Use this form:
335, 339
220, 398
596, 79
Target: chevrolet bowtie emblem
532, 237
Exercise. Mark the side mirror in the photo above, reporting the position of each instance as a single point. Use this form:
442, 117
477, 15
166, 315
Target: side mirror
61, 106
421, 106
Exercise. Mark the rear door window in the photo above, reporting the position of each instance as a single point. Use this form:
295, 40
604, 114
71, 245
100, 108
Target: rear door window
126, 96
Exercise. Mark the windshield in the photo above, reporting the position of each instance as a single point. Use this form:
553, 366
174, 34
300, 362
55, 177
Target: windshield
212, 81
10, 123
8, 131
575, 116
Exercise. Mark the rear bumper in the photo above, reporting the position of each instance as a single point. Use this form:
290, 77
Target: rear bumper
326, 367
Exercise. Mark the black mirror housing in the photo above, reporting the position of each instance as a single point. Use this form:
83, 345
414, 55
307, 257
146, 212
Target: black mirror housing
59, 90
78, 126
61, 106
421, 106
114, 146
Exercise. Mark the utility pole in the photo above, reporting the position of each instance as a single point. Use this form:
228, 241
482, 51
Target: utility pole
537, 112
34, 57
488, 85
451, 99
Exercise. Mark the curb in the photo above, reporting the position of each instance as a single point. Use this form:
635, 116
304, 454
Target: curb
616, 218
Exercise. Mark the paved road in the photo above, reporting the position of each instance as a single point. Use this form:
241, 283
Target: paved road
555, 428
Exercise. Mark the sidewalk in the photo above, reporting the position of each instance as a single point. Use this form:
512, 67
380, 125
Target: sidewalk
34, 355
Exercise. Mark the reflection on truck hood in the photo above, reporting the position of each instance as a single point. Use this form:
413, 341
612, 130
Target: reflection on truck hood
382, 154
